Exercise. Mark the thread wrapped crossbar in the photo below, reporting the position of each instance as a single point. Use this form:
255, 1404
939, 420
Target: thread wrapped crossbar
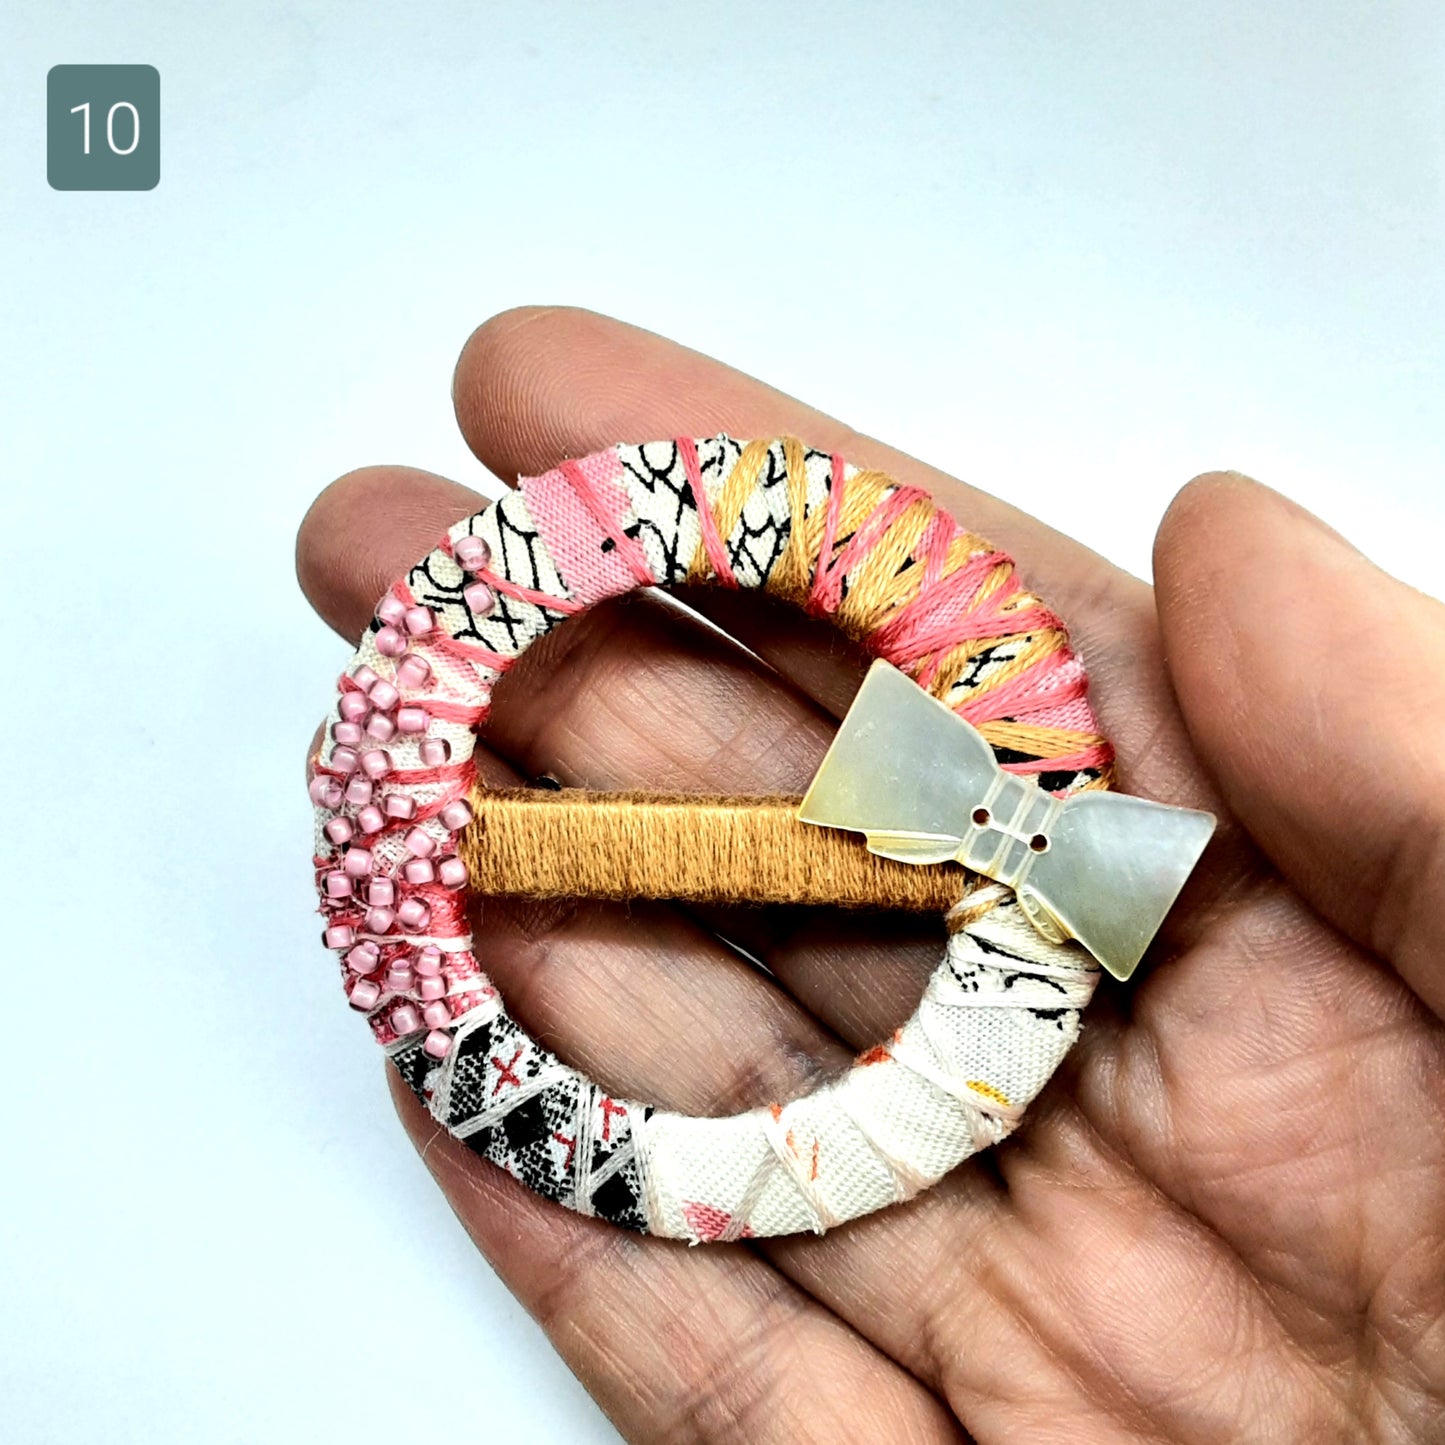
573, 843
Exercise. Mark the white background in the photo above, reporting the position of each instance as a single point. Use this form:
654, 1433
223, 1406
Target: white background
1076, 252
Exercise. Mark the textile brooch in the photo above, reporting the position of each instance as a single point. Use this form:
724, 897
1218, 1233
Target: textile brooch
969, 777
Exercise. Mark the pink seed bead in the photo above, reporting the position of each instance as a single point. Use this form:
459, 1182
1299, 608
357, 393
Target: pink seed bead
353, 707
364, 994
456, 815
399, 978
431, 988
379, 920
479, 599
413, 671
363, 958
391, 610
420, 843
346, 734
339, 831
435, 752
381, 893
339, 935
383, 695
419, 872
338, 884
390, 642
405, 1020
419, 621
412, 719
363, 677
438, 1044
357, 862
452, 872
321, 789
376, 763
413, 914
472, 553
380, 727
436, 1014
344, 760
428, 961
358, 792
401, 805
370, 819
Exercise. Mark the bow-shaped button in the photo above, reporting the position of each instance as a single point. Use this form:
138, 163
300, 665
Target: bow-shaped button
923, 786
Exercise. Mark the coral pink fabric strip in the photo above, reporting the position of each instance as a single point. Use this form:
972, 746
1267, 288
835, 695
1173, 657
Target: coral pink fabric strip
581, 510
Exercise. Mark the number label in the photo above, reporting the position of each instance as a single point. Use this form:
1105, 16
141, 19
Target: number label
126, 157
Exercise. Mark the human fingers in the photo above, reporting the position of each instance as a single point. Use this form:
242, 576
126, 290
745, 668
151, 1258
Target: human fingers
578, 382
677, 1344
1313, 684
1275, 1080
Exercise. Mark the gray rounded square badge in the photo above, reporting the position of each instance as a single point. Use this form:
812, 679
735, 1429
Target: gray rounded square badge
103, 127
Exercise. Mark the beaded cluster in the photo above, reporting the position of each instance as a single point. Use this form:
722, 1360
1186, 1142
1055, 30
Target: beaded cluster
380, 919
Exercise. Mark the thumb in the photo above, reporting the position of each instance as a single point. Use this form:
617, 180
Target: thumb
1313, 686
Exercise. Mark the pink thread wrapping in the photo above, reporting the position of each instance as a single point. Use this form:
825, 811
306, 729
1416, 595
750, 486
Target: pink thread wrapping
1042, 695
832, 572
948, 609
443, 642
578, 507
504, 587
717, 553
821, 599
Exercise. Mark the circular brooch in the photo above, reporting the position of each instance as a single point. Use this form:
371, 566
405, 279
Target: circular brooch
971, 765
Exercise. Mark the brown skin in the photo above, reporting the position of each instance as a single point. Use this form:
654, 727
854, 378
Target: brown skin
1224, 1220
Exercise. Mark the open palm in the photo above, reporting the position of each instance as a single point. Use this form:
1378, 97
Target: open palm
1225, 1217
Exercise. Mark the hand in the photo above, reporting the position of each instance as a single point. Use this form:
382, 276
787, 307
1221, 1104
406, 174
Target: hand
1225, 1217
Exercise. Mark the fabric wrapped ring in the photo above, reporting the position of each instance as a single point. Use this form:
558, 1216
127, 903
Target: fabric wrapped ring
392, 785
